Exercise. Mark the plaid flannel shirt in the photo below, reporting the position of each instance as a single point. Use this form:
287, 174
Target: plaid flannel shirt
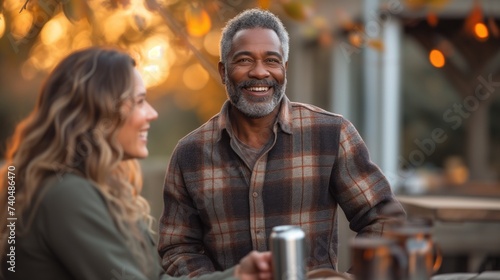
217, 209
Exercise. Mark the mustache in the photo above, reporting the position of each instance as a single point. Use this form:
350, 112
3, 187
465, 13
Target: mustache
253, 82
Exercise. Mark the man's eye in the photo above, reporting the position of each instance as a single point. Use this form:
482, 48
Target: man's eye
273, 60
244, 60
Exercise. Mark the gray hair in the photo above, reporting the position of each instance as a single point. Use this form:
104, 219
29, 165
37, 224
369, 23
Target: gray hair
249, 19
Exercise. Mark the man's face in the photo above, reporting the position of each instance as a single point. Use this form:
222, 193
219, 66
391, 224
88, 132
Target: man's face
255, 76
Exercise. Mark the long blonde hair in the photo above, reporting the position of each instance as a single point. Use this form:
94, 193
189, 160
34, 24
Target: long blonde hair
72, 129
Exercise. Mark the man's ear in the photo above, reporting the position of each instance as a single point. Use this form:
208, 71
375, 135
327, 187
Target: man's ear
222, 71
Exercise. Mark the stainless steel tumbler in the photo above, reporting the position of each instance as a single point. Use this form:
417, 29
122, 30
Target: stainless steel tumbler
287, 248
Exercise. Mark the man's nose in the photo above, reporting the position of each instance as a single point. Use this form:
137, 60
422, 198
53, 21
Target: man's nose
259, 71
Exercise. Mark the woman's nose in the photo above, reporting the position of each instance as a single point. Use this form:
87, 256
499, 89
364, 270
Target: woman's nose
152, 113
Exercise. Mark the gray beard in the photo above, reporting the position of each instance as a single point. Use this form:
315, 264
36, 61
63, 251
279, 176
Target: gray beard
254, 107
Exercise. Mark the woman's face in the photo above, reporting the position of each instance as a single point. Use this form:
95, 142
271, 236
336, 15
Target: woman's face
133, 135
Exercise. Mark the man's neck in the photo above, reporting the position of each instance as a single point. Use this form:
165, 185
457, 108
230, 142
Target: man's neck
254, 132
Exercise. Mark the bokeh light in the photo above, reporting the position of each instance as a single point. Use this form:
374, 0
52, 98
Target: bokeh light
437, 58
128, 25
264, 4
195, 77
113, 27
155, 52
82, 40
481, 31
211, 42
156, 60
356, 39
2, 25
21, 24
198, 22
52, 31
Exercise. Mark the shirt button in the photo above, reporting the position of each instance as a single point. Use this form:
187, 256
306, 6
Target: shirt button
255, 194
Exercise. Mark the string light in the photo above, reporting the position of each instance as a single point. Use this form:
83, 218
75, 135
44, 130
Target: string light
437, 59
481, 31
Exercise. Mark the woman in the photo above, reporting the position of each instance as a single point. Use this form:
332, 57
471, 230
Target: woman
71, 181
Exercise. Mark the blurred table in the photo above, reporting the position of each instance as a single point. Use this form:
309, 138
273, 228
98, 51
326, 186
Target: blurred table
463, 226
453, 209
486, 275
469, 189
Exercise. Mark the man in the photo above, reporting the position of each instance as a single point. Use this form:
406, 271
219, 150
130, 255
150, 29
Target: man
264, 161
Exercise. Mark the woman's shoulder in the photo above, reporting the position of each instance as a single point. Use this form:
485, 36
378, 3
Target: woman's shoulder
69, 191
68, 184
66, 179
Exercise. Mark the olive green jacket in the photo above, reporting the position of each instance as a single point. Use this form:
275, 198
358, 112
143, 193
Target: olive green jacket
74, 237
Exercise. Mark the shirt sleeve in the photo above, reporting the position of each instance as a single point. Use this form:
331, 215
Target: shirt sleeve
79, 230
361, 188
181, 234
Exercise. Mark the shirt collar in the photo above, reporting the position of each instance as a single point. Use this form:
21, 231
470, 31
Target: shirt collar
284, 119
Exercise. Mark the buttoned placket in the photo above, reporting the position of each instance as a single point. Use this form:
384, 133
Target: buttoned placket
257, 215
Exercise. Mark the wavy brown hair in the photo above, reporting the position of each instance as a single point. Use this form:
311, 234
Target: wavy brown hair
72, 129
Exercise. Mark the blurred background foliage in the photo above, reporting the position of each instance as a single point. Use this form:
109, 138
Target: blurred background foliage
175, 43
